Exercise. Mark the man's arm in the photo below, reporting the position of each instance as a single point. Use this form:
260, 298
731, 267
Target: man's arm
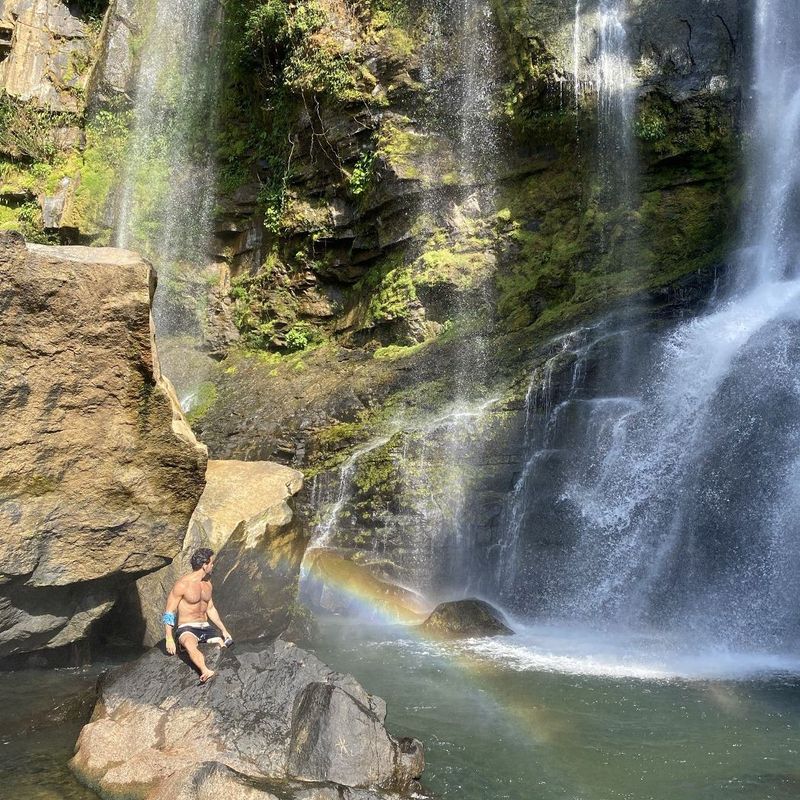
214, 616
173, 599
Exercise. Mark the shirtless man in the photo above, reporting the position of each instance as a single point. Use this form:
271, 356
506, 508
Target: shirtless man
190, 599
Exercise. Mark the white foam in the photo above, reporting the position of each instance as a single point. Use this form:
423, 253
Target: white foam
626, 655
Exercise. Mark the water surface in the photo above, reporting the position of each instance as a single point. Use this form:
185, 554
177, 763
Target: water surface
36, 741
563, 714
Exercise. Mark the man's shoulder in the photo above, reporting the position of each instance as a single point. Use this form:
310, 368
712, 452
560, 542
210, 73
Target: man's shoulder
180, 584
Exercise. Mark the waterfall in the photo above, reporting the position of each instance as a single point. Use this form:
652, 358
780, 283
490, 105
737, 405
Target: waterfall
614, 82
477, 135
576, 53
460, 69
166, 199
679, 507
334, 503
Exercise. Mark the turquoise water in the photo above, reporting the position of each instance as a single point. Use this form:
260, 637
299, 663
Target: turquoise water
547, 714
565, 714
35, 741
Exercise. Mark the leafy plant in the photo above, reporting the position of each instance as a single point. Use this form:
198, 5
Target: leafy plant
650, 126
299, 336
361, 176
28, 132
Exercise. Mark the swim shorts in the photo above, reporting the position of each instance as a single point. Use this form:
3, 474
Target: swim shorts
202, 631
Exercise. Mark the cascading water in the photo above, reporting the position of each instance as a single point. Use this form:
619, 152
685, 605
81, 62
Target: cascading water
679, 507
166, 200
614, 82
427, 537
477, 136
430, 459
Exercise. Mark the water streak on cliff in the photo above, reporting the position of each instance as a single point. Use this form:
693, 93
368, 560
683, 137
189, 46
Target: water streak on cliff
614, 82
166, 200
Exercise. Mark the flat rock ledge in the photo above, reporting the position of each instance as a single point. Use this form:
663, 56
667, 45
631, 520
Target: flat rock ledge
275, 723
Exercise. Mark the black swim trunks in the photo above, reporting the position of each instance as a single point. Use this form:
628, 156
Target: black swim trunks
202, 631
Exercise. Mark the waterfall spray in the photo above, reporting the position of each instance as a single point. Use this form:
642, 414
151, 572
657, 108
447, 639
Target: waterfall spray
681, 500
166, 200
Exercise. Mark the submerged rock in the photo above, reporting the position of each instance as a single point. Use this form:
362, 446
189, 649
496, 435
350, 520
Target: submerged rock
100, 472
464, 619
274, 721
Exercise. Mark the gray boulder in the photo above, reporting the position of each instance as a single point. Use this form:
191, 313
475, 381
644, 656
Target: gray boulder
274, 721
465, 619
322, 713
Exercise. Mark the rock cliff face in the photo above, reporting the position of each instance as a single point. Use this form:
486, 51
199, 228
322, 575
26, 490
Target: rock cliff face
273, 722
402, 247
413, 288
45, 50
100, 472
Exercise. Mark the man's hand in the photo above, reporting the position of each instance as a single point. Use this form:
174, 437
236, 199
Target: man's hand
171, 649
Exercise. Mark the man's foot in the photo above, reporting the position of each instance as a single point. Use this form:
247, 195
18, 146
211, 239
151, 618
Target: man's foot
207, 676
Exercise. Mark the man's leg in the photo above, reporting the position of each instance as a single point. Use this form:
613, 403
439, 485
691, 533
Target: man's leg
189, 643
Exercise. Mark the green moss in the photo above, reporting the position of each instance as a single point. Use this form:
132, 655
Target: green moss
30, 485
395, 352
463, 270
96, 171
650, 126
568, 256
204, 400
341, 434
376, 472
700, 126
393, 296
390, 32
385, 293
404, 149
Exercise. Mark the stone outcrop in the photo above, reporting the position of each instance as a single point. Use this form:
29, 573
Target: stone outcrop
100, 472
245, 516
48, 54
114, 75
273, 722
465, 619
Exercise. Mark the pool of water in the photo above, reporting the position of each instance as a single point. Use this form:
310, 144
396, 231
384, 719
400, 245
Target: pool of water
38, 731
559, 713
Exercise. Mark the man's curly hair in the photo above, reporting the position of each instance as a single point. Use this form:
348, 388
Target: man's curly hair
201, 557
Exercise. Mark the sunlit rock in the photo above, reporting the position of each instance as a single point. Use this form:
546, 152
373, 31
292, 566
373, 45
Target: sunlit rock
244, 514
47, 55
271, 718
101, 472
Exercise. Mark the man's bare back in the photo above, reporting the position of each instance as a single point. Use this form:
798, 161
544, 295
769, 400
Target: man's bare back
191, 613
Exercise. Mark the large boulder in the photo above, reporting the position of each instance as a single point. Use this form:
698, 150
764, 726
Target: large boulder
465, 619
100, 472
244, 514
274, 721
